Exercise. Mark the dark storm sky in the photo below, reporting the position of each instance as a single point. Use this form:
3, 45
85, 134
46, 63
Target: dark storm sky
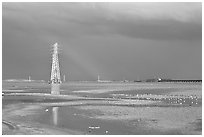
114, 40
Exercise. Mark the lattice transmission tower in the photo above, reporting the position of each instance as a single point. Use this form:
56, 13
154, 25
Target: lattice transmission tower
55, 71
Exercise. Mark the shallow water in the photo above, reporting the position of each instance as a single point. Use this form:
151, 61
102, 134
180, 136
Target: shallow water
123, 120
76, 119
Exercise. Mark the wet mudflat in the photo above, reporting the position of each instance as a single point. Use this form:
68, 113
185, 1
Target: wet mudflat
103, 108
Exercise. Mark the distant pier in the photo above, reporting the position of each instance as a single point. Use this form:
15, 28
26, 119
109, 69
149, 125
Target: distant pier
181, 80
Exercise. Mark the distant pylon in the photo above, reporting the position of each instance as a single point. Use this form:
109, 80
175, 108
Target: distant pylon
55, 71
98, 78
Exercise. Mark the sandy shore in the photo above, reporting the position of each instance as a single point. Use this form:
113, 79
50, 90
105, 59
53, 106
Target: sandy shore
103, 109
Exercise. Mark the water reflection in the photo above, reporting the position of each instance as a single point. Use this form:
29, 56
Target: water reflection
55, 115
55, 89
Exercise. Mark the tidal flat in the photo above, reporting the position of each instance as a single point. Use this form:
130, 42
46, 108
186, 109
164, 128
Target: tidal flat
102, 108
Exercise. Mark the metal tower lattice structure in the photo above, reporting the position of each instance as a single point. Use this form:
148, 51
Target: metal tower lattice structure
55, 72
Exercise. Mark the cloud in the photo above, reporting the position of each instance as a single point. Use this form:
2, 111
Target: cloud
162, 21
183, 12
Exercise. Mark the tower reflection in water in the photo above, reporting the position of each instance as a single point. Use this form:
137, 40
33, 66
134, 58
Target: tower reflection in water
55, 115
55, 90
